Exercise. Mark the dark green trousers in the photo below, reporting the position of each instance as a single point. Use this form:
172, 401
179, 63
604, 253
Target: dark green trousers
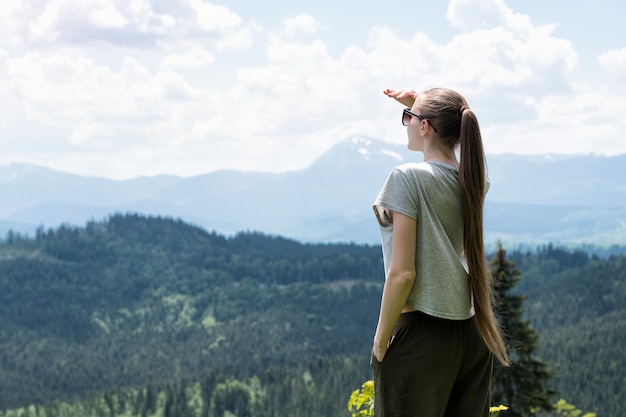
433, 368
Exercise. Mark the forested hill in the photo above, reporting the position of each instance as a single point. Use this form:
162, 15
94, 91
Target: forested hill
134, 302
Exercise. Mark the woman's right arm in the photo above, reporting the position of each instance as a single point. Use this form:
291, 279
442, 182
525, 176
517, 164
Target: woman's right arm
404, 96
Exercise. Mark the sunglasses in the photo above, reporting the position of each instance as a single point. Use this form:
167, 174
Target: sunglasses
406, 118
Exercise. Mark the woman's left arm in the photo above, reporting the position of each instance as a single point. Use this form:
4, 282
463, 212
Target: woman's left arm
399, 282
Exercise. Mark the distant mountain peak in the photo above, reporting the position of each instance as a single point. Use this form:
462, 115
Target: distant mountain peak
531, 198
357, 149
359, 140
362, 146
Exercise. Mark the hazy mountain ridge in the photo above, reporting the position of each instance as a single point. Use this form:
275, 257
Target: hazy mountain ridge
565, 199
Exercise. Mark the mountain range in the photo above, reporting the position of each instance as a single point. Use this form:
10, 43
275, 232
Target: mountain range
533, 200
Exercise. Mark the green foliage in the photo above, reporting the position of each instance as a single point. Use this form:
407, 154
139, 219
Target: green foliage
144, 309
568, 410
524, 385
578, 305
563, 409
276, 392
136, 299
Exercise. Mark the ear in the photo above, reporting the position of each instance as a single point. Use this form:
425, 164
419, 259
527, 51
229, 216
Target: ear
424, 127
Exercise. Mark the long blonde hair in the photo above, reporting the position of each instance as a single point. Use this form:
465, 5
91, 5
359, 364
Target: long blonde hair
457, 125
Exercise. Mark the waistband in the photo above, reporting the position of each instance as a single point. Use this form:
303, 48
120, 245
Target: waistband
417, 317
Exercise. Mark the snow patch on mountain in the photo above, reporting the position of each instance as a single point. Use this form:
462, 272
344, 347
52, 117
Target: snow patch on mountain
531, 199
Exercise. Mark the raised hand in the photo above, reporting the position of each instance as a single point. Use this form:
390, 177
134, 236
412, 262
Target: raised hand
404, 96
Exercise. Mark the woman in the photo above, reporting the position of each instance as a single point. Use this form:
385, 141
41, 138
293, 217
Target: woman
436, 333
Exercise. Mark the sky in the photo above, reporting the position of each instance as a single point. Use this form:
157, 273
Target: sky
128, 88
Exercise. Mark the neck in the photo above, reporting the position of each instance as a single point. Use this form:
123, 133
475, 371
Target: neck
443, 155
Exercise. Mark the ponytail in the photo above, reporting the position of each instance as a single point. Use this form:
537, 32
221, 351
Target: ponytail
457, 126
472, 181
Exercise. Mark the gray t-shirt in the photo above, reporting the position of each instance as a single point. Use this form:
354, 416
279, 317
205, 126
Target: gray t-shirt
429, 193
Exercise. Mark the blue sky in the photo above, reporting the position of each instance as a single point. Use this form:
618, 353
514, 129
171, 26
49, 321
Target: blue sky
123, 88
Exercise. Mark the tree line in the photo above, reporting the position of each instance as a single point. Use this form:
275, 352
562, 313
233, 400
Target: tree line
136, 308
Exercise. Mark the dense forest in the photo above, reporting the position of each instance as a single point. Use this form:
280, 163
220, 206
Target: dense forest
135, 314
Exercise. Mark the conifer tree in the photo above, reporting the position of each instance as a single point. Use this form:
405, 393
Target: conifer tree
524, 386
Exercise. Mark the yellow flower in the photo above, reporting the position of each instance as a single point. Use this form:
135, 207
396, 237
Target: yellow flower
495, 410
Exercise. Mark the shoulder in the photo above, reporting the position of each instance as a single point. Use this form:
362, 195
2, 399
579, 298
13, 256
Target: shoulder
416, 172
408, 179
414, 169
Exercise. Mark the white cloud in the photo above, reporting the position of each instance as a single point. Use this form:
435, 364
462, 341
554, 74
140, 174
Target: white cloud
181, 103
302, 23
513, 70
121, 22
103, 14
614, 60
86, 99
79, 21
213, 18
241, 38
197, 58
470, 15
588, 120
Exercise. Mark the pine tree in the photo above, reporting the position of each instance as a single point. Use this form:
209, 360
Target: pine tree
524, 386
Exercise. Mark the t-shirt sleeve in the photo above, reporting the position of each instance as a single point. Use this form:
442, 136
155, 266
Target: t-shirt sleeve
397, 194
